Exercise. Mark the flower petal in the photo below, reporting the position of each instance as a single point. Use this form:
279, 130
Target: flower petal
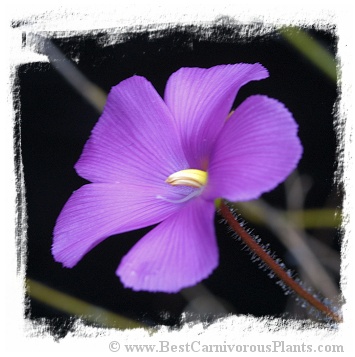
256, 150
97, 211
178, 253
200, 100
135, 138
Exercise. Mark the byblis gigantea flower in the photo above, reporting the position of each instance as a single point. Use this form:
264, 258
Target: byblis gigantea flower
153, 161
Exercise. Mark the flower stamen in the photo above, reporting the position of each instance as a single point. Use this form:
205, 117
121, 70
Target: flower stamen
184, 199
190, 177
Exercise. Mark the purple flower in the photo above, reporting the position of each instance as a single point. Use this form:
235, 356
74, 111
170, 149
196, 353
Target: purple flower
165, 161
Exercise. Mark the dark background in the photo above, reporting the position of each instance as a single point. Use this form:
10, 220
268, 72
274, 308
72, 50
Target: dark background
55, 121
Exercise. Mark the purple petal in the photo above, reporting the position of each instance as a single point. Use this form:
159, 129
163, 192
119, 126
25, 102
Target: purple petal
134, 140
256, 150
97, 211
201, 99
178, 253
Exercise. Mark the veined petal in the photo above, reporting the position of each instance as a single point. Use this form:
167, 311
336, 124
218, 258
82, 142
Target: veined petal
200, 100
97, 211
178, 253
256, 150
135, 139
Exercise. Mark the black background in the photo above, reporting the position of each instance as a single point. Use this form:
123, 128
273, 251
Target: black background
55, 121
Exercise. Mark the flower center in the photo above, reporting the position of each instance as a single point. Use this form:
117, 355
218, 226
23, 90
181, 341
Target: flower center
190, 177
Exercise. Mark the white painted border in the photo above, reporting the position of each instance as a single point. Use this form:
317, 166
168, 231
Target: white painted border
78, 17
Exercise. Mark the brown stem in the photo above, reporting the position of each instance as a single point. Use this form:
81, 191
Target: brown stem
273, 265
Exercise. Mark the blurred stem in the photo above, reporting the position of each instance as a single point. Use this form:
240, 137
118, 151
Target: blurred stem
306, 219
90, 91
74, 306
311, 49
273, 265
295, 241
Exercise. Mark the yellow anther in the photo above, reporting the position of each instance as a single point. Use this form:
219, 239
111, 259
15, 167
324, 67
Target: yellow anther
190, 177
